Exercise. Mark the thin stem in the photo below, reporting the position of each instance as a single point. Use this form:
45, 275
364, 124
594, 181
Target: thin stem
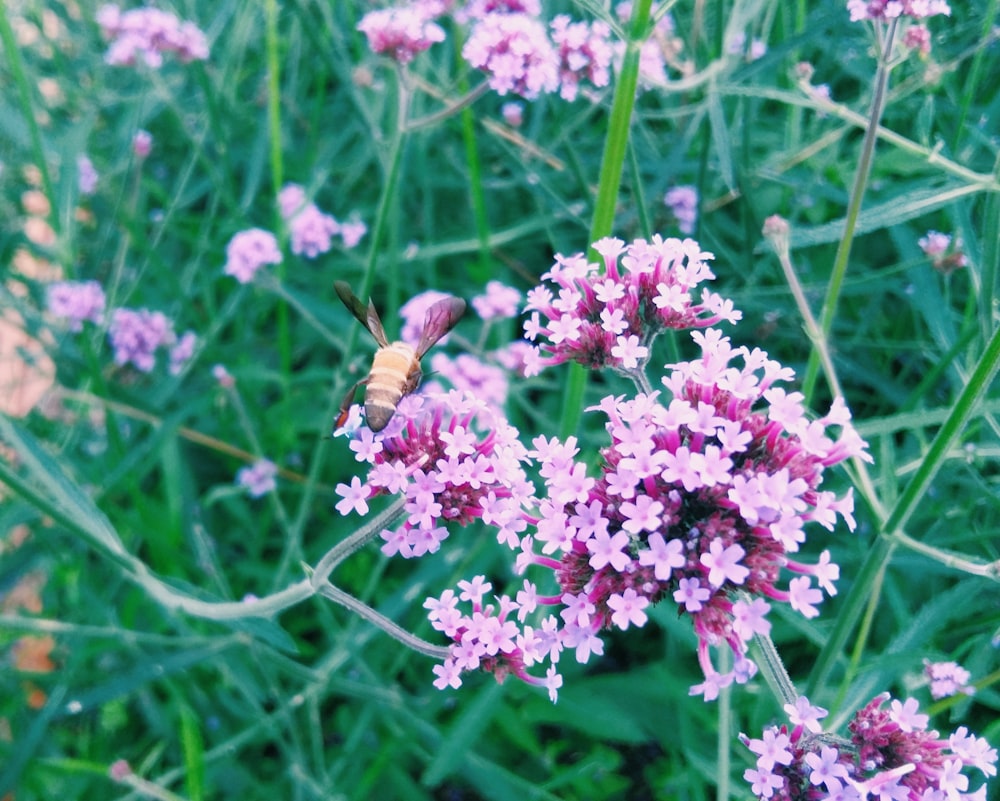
829, 310
773, 670
339, 552
365, 612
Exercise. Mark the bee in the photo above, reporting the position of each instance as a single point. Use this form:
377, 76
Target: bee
396, 367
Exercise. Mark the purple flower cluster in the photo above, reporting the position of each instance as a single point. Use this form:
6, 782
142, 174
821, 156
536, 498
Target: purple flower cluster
946, 253
148, 33
700, 500
514, 50
609, 318
401, 32
86, 175
258, 479
77, 302
498, 302
891, 9
947, 678
683, 204
136, 335
248, 251
584, 51
891, 756
311, 229
453, 459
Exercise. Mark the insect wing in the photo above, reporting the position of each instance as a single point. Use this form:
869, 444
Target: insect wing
366, 315
439, 320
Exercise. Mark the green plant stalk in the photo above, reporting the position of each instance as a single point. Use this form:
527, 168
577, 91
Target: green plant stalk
888, 539
480, 271
829, 309
277, 179
612, 164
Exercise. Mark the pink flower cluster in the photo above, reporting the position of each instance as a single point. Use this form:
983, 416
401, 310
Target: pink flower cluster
683, 204
947, 678
258, 479
76, 301
584, 51
516, 53
401, 32
312, 230
891, 756
891, 9
700, 500
609, 318
148, 33
248, 251
86, 175
945, 252
137, 334
454, 460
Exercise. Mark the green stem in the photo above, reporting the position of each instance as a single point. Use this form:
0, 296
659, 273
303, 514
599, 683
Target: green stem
829, 310
277, 180
339, 552
609, 183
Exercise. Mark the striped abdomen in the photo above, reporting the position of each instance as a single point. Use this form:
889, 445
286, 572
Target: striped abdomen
395, 373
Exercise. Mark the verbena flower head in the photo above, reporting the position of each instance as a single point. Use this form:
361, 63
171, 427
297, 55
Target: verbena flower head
468, 373
401, 32
86, 175
142, 143
182, 352
891, 756
608, 317
248, 251
259, 478
701, 499
452, 458
136, 334
414, 313
585, 53
498, 302
515, 51
76, 301
891, 9
683, 204
947, 678
148, 33
311, 230
945, 252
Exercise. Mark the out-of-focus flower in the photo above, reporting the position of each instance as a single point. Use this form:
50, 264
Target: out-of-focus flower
890, 755
414, 314
609, 318
945, 252
513, 114
182, 351
918, 37
477, 9
248, 251
947, 678
470, 374
738, 46
259, 478
498, 302
891, 9
401, 32
142, 144
86, 175
223, 376
136, 334
683, 204
312, 230
515, 51
352, 232
585, 52
148, 33
76, 301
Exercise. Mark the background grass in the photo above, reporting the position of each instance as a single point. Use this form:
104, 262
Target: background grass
119, 473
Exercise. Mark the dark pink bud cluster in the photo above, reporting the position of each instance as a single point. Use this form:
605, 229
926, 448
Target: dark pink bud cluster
402, 32
891, 756
607, 315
